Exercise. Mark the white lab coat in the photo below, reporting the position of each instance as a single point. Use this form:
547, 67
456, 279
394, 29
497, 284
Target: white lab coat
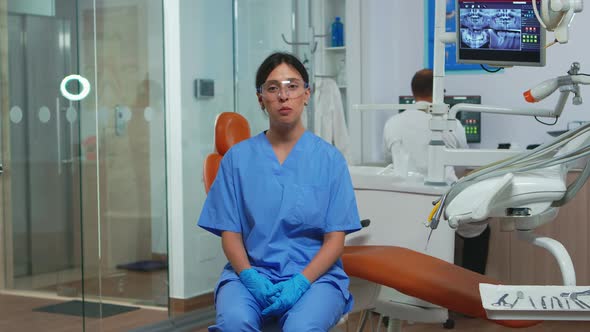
407, 135
329, 120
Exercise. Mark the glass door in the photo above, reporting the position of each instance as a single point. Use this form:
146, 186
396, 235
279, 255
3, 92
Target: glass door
83, 233
123, 144
40, 201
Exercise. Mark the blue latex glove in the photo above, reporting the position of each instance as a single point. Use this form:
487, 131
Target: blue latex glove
260, 287
290, 292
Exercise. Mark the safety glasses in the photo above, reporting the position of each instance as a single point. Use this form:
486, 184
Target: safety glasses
291, 88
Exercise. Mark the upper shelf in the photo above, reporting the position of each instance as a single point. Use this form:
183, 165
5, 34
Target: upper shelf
338, 48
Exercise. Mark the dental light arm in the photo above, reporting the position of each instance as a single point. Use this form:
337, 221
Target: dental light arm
567, 83
504, 110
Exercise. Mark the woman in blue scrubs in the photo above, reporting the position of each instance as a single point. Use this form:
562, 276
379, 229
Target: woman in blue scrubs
282, 203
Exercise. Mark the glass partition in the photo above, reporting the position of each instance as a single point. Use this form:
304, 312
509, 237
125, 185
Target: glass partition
83, 227
123, 135
83, 222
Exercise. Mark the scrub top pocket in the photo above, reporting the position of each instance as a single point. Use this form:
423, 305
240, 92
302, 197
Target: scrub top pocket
311, 206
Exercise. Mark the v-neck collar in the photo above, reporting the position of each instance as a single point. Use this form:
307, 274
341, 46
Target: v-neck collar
272, 155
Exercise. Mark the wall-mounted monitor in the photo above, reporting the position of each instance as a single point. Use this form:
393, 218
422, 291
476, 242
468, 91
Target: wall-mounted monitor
471, 121
500, 33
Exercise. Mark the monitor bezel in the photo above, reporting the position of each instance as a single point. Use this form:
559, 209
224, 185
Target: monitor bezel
495, 63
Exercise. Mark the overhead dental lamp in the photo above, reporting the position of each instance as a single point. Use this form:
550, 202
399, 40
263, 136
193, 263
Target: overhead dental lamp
556, 16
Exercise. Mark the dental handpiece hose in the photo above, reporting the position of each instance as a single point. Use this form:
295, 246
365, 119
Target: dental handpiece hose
433, 222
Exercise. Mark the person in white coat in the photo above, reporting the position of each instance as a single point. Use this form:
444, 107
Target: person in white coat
406, 137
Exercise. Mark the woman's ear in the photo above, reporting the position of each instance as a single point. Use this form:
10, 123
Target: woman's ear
260, 101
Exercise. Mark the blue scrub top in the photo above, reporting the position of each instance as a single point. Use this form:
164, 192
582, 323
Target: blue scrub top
283, 211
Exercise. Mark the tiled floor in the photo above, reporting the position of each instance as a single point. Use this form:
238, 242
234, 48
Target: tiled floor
143, 288
463, 324
16, 314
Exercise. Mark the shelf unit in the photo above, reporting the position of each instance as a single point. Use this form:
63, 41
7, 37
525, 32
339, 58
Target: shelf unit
341, 63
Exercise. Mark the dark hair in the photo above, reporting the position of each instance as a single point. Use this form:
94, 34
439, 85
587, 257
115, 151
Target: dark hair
422, 83
273, 61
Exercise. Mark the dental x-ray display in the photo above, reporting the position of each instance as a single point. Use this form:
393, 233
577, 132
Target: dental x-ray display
491, 28
499, 32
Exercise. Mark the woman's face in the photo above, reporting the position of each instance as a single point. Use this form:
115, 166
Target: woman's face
284, 96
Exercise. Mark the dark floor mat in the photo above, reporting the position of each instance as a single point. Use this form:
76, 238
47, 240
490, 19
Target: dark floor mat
91, 309
144, 266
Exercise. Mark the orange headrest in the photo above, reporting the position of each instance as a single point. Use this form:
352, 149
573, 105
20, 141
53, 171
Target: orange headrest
230, 128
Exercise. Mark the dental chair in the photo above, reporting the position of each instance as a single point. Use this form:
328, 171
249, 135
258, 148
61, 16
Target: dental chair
392, 273
520, 193
230, 128
424, 277
410, 272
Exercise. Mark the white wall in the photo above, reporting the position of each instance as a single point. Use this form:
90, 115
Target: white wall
394, 50
206, 52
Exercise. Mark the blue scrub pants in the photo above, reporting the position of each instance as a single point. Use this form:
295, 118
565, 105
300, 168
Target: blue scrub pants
319, 309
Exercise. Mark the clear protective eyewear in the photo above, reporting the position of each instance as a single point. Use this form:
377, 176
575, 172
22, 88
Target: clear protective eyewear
291, 88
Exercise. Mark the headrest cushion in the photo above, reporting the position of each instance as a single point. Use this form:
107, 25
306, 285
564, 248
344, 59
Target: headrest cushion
230, 128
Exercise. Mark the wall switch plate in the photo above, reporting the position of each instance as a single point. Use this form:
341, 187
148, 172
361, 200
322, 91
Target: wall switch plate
204, 88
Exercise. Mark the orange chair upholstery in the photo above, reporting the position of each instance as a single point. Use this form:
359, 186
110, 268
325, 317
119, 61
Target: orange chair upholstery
424, 277
230, 128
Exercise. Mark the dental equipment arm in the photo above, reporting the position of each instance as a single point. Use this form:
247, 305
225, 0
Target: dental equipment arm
567, 147
566, 83
441, 157
524, 192
564, 149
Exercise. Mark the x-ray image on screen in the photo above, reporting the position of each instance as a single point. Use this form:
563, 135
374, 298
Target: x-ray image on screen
497, 29
499, 33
